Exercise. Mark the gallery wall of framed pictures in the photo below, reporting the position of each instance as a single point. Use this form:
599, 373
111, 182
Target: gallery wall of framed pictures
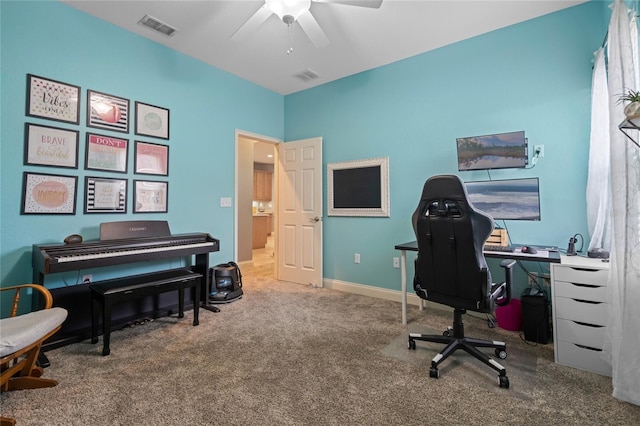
105, 146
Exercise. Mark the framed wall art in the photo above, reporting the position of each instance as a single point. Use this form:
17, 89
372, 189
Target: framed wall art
106, 153
105, 195
49, 194
50, 146
53, 99
359, 188
152, 121
107, 112
150, 196
151, 159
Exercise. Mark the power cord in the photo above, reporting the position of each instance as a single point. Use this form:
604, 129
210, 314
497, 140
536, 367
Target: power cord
571, 250
534, 159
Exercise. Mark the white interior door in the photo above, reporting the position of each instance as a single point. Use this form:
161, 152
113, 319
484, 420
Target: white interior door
300, 211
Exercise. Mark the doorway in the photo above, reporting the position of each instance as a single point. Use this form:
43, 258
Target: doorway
263, 211
255, 206
296, 205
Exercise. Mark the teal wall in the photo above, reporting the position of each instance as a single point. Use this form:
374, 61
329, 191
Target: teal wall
535, 76
53, 40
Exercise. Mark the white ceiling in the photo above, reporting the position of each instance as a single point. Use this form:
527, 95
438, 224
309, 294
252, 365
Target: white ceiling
360, 38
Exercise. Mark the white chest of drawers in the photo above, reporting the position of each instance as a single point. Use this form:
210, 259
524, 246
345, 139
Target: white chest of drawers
579, 287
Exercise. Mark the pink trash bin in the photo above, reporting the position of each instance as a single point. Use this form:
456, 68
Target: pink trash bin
510, 316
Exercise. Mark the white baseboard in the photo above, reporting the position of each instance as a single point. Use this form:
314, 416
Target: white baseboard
367, 290
393, 295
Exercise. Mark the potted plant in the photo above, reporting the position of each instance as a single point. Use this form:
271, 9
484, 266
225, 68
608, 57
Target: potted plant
631, 110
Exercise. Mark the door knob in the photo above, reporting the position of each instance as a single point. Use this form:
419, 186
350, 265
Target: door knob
315, 219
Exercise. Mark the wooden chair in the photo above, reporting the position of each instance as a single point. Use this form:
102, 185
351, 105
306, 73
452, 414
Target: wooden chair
21, 337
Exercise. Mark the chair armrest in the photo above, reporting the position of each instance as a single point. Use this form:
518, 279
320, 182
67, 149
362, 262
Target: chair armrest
46, 295
502, 292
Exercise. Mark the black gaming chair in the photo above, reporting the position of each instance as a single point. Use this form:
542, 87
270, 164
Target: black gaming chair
451, 268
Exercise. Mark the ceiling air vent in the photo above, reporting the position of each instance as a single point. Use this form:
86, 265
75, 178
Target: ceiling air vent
157, 25
306, 75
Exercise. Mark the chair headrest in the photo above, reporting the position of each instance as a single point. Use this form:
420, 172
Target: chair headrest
450, 187
446, 196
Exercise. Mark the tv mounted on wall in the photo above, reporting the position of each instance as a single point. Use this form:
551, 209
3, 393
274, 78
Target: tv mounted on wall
509, 199
498, 151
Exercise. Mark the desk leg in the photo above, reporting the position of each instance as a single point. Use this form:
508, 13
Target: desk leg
403, 279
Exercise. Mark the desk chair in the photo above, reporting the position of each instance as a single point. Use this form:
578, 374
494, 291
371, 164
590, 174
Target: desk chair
21, 338
450, 268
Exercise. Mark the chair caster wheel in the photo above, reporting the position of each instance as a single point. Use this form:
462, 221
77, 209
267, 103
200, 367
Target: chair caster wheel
501, 353
412, 344
435, 373
504, 382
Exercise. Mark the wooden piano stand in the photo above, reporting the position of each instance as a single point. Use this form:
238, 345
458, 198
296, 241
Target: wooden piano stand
104, 294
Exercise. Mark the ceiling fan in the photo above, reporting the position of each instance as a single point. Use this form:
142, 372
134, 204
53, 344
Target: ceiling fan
291, 11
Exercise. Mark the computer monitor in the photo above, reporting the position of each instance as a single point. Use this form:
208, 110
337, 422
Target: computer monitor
509, 199
499, 151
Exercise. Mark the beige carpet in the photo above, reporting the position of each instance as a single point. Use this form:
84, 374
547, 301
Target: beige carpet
287, 354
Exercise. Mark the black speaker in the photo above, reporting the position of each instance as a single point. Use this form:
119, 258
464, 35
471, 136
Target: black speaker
535, 317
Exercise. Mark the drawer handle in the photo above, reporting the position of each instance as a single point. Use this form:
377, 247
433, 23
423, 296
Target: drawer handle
588, 347
586, 285
588, 325
584, 269
587, 301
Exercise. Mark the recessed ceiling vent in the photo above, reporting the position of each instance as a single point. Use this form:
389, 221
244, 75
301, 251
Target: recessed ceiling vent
306, 75
157, 25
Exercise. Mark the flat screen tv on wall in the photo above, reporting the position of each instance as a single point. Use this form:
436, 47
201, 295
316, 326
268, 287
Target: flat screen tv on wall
498, 151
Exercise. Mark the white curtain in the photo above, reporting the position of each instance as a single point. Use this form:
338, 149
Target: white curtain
622, 343
598, 201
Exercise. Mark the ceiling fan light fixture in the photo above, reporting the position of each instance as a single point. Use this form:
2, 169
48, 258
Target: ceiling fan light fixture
288, 10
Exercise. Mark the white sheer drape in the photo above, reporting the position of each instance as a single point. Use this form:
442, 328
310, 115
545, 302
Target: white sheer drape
622, 343
598, 201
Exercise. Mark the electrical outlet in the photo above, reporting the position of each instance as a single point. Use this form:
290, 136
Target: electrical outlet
87, 278
225, 202
396, 262
356, 258
539, 150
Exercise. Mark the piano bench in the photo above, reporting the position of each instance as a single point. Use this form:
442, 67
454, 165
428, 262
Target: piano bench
106, 293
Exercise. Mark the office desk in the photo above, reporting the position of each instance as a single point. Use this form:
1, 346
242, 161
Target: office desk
540, 256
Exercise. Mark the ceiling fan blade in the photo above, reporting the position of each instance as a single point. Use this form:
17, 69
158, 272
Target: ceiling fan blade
252, 23
374, 4
311, 27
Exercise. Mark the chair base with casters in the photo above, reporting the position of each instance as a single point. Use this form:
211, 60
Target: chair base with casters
454, 338
21, 341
